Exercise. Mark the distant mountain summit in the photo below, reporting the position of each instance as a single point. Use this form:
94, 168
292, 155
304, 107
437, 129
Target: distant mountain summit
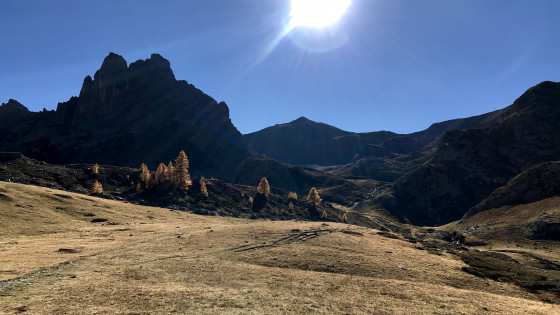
306, 142
126, 115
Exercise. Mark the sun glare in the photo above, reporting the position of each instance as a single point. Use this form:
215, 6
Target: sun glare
317, 13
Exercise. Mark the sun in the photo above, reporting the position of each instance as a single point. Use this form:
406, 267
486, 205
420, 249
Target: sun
317, 13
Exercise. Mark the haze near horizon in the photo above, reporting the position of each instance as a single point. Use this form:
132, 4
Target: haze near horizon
376, 65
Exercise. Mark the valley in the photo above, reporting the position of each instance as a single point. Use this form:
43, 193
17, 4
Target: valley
141, 260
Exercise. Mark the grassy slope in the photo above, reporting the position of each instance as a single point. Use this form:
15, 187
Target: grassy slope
153, 260
506, 225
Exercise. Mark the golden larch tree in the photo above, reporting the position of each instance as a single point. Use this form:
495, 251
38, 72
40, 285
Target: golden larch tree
313, 198
159, 177
97, 188
203, 189
291, 206
95, 169
343, 217
170, 170
292, 195
181, 176
264, 187
145, 176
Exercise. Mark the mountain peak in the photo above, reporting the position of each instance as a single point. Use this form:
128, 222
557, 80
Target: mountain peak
13, 106
12, 113
155, 66
302, 120
113, 63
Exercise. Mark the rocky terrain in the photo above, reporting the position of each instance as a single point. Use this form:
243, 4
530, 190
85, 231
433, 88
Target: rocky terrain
224, 198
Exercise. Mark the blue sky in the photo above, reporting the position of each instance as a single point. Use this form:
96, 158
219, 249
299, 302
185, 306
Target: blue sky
387, 65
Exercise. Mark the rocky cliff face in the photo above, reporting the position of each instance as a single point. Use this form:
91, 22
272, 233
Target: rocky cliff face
126, 115
469, 164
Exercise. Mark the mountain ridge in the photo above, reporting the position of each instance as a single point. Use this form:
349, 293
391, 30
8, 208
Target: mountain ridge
126, 115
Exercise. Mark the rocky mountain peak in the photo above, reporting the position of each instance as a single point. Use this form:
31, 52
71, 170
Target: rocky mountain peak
13, 106
113, 63
122, 115
302, 120
156, 67
542, 97
12, 113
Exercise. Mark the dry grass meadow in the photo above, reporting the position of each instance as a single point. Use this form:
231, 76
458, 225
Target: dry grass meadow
145, 260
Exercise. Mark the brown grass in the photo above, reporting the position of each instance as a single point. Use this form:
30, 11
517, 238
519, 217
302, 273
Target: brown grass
157, 261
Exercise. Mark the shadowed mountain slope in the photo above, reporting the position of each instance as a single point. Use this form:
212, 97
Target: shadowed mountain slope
537, 183
126, 115
469, 164
354, 155
306, 142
